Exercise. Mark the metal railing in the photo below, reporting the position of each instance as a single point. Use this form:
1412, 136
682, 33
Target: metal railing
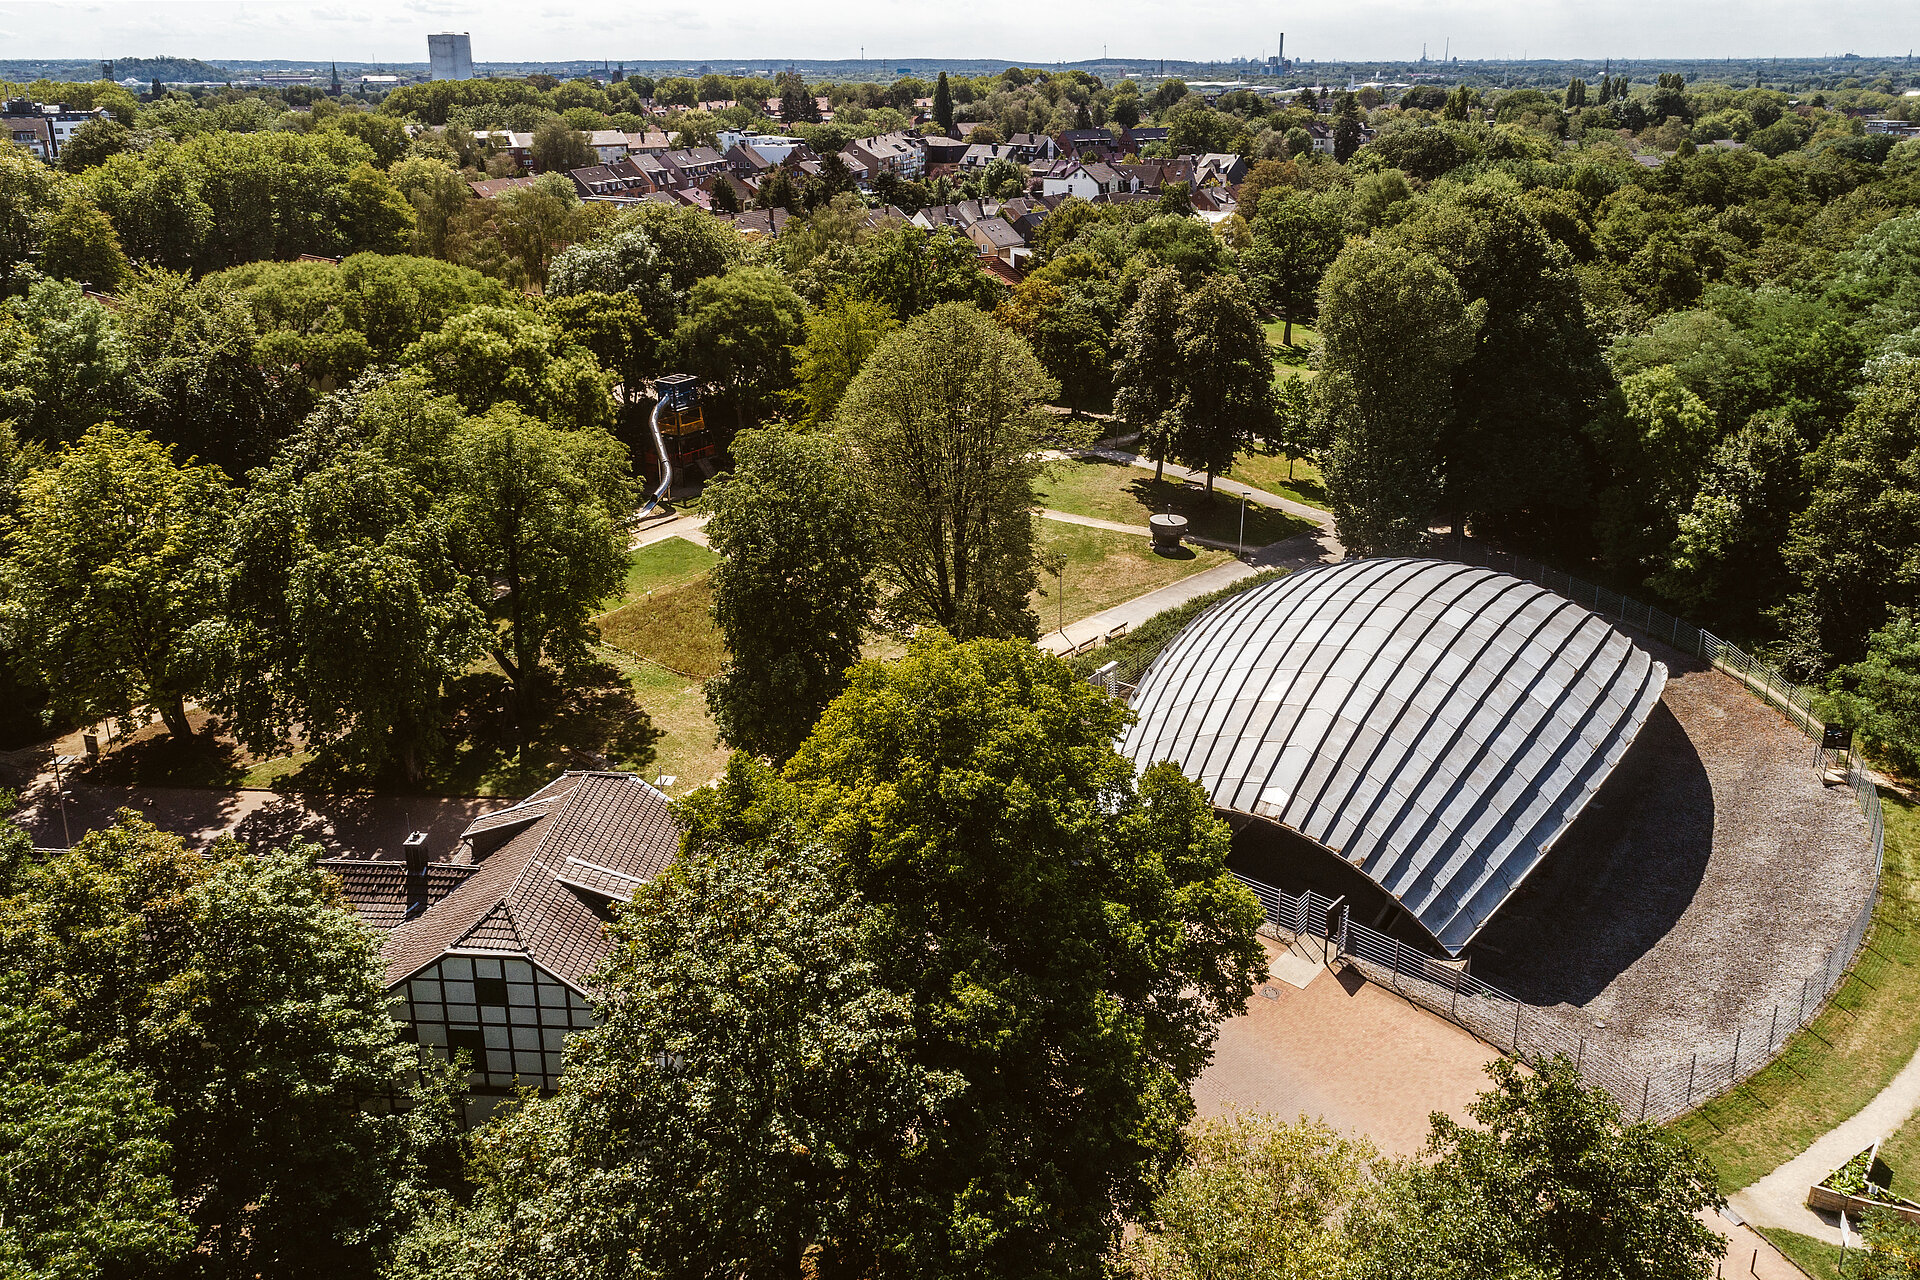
1533, 1034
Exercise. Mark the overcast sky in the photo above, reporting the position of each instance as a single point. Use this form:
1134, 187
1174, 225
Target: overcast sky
759, 31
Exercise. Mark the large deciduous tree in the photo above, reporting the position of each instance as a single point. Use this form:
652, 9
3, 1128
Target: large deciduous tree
1394, 324
1066, 931
1295, 238
946, 427
1226, 378
1147, 367
739, 331
109, 569
791, 594
841, 334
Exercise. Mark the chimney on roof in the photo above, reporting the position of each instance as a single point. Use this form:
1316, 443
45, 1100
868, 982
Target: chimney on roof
416, 847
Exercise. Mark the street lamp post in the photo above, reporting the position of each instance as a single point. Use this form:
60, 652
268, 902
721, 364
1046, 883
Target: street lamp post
1243, 526
61, 763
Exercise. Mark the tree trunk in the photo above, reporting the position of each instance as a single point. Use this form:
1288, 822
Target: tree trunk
173, 714
1286, 338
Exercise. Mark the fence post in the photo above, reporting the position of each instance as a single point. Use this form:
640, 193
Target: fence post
1643, 1095
1734, 1066
1773, 1027
1453, 1010
1581, 1056
1691, 1068
1800, 1019
1517, 1007
1396, 964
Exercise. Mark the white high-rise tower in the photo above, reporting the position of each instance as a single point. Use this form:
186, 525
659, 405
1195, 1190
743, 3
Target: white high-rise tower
451, 54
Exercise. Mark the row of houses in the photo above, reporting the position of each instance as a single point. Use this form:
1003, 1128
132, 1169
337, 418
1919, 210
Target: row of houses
42, 129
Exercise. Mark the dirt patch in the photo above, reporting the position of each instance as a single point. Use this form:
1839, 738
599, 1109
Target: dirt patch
1711, 874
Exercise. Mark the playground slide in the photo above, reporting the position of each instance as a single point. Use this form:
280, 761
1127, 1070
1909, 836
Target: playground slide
666, 462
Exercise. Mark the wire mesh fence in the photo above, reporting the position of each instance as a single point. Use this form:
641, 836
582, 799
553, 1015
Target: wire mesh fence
1658, 1091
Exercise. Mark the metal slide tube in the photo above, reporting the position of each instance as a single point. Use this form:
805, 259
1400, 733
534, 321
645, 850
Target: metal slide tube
666, 463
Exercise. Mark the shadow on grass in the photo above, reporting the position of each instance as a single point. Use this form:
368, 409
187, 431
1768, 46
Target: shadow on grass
1181, 552
1216, 516
584, 718
207, 759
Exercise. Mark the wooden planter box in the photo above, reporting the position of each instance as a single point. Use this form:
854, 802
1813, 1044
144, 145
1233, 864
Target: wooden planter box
1857, 1206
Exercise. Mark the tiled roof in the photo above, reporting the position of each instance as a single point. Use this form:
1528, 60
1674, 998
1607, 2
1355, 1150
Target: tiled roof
378, 888
544, 893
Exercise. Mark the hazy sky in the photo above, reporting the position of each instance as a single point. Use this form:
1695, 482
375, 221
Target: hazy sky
745, 31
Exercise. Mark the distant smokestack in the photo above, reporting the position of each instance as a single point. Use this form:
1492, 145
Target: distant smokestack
1281, 52
416, 847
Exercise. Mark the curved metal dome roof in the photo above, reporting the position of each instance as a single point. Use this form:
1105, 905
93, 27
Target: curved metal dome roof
1437, 725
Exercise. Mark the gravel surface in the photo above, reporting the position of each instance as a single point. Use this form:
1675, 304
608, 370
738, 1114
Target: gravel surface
1710, 875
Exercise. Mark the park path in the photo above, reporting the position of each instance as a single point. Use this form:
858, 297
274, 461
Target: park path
1780, 1198
690, 527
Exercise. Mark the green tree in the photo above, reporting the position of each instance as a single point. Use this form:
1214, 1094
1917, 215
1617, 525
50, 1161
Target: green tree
1655, 440
1259, 1199
692, 244
487, 356
1549, 1180
911, 270
1851, 546
747, 1104
1066, 931
1225, 403
1881, 693
250, 997
739, 331
79, 244
618, 330
85, 1149
107, 575
943, 105
93, 142
946, 424
1068, 335
344, 610
375, 217
1147, 364
1393, 324
63, 365
194, 381
792, 593
841, 334
544, 513
626, 261
29, 192
558, 147
437, 193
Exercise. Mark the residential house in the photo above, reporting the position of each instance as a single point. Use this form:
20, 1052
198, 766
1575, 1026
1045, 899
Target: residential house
959, 216
897, 153
1098, 143
491, 951
31, 133
1219, 169
487, 188
608, 144
979, 155
693, 165
1088, 179
653, 141
943, 151
1034, 146
1142, 136
505, 142
998, 238
1155, 175
1026, 213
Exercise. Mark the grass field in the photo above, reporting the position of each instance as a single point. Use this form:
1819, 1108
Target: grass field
666, 563
687, 750
1105, 568
1115, 491
672, 626
1289, 361
1269, 472
1815, 1257
1851, 1051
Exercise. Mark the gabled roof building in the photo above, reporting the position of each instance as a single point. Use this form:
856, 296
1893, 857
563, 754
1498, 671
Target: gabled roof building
491, 953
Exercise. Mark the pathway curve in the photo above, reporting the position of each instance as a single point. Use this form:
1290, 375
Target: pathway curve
1780, 1198
690, 527
1092, 522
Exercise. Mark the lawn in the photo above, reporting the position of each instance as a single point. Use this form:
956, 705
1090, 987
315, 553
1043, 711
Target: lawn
1105, 568
1269, 471
1815, 1257
666, 563
1865, 1035
672, 626
1114, 491
1292, 360
688, 749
